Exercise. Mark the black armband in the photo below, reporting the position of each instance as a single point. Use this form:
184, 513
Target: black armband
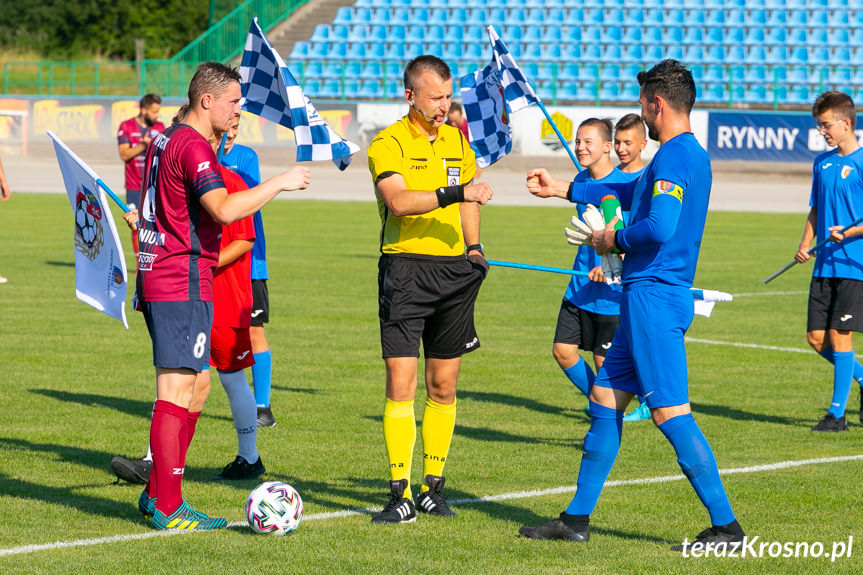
617, 245
450, 195
569, 192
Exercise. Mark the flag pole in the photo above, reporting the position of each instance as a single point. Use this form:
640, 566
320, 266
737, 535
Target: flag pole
114, 197
559, 135
537, 268
812, 250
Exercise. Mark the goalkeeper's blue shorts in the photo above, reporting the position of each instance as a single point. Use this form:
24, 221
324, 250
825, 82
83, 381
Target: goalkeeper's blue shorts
648, 356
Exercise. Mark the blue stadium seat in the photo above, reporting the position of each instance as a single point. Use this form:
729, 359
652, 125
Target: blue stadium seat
611, 53
418, 14
694, 35
714, 73
330, 89
673, 36
630, 92
841, 54
556, 53
356, 51
552, 34
674, 51
738, 93
633, 17
313, 69
716, 17
757, 17
594, 16
312, 88
757, 95
654, 53
818, 36
840, 75
357, 33
381, 16
401, 16
695, 18
654, 17
475, 35
609, 72
840, 37
777, 17
571, 35
511, 34
574, 17
344, 15
332, 69
798, 75
532, 52
588, 72
818, 18
376, 51
454, 33
300, 51
433, 33
439, 16
632, 35
697, 71
321, 33
735, 35
613, 16
799, 55
653, 35
735, 18
756, 73
797, 18
397, 52
633, 53
714, 94
516, 15
397, 33
592, 53
777, 55
609, 92
319, 50
371, 89
629, 74
694, 54
532, 34
857, 56
755, 55
857, 18
755, 36
378, 33
857, 79
675, 17
820, 55
535, 17
736, 73
569, 72
776, 36
612, 34
570, 92
371, 70
394, 89
735, 54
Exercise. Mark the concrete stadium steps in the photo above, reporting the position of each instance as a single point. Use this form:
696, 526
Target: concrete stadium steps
301, 25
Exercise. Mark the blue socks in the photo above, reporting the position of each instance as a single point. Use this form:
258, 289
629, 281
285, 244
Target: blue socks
581, 376
858, 368
262, 376
843, 370
699, 465
600, 450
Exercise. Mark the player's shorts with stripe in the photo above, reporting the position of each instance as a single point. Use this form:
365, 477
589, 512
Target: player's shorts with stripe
260, 302
133, 198
428, 299
231, 348
590, 331
180, 331
835, 303
648, 355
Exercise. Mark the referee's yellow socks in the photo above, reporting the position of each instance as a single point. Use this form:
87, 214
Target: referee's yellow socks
437, 429
400, 434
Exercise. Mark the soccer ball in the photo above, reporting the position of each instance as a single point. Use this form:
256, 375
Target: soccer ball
275, 508
85, 223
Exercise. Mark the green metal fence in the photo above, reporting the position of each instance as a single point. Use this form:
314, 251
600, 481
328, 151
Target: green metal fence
170, 78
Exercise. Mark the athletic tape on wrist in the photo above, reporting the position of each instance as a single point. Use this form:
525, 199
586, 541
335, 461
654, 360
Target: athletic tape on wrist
450, 195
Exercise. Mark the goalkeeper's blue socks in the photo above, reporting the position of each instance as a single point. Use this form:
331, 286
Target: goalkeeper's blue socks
600, 450
581, 376
843, 369
699, 465
262, 376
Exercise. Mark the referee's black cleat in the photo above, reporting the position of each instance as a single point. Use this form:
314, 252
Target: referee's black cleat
132, 470
715, 535
240, 469
433, 501
566, 527
399, 509
830, 424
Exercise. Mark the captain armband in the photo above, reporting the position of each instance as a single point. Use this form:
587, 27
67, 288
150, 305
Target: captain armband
447, 195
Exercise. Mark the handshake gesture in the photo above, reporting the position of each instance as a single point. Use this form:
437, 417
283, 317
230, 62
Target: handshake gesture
582, 235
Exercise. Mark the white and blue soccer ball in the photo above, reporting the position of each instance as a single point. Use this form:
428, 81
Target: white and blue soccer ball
274, 508
85, 223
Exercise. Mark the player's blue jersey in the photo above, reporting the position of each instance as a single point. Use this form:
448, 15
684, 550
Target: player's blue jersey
244, 161
680, 169
837, 195
581, 292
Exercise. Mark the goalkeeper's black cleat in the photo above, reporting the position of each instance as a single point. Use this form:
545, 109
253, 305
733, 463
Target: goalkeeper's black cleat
715, 535
132, 470
433, 501
566, 527
399, 509
831, 423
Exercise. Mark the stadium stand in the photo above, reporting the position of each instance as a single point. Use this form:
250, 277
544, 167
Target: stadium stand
758, 53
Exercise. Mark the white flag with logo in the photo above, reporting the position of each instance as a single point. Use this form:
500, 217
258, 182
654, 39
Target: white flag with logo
100, 268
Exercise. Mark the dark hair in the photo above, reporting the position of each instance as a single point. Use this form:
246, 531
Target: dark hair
671, 80
629, 122
181, 114
839, 103
604, 126
211, 78
455, 107
149, 99
424, 63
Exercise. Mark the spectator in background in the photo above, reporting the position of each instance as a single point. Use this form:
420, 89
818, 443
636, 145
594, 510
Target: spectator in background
4, 195
456, 119
133, 137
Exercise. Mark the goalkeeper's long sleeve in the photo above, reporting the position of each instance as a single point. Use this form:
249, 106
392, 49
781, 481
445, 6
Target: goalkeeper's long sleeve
592, 193
657, 228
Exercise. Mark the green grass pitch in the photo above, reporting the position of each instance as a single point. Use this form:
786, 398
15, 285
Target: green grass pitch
77, 389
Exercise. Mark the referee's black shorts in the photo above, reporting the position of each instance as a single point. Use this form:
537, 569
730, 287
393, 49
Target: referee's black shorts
429, 299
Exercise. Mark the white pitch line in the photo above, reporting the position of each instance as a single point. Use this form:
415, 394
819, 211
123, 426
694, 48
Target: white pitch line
486, 499
755, 346
764, 293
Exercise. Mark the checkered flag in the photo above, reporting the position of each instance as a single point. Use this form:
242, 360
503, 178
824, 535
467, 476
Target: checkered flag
489, 97
487, 120
517, 91
270, 91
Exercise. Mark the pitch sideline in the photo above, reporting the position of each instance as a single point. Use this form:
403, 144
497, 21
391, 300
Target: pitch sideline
487, 499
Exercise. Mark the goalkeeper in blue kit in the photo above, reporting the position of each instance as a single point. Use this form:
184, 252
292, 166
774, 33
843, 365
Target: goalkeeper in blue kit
668, 209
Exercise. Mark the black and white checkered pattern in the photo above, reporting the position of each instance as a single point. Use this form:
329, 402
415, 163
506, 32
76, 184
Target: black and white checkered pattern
270, 91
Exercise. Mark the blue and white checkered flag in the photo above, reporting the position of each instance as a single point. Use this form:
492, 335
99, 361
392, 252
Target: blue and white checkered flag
489, 97
270, 91
487, 120
517, 91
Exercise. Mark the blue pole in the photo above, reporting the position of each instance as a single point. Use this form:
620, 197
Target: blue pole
222, 148
537, 268
114, 197
559, 135
856, 222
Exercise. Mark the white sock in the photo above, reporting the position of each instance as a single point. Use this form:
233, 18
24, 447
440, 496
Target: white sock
149, 456
244, 411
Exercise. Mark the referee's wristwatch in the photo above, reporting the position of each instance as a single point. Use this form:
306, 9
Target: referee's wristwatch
477, 247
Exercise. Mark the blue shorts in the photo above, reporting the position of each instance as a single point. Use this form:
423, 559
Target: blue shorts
647, 356
180, 331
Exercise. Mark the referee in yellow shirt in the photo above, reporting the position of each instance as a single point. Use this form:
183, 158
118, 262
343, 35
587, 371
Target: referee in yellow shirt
429, 274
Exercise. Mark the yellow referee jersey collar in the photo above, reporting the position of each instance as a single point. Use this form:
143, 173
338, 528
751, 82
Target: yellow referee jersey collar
415, 132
